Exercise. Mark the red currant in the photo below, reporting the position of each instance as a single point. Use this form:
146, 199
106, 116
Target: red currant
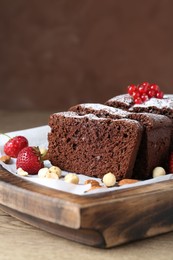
144, 92
136, 94
151, 93
154, 87
159, 94
142, 89
138, 100
145, 84
131, 88
144, 97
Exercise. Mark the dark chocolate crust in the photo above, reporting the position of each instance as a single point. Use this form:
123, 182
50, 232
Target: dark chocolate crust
93, 146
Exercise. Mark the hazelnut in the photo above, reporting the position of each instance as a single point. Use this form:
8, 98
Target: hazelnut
47, 173
55, 169
158, 171
21, 172
44, 153
52, 175
43, 172
71, 178
109, 179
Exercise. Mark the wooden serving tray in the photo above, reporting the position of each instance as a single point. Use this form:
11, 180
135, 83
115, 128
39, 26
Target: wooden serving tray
100, 220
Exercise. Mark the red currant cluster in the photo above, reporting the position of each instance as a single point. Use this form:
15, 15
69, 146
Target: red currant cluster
144, 92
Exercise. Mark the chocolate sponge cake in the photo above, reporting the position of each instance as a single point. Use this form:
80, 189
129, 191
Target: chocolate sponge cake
99, 110
93, 146
157, 106
162, 106
124, 101
155, 142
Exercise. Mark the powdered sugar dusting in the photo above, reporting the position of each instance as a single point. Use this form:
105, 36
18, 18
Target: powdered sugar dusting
108, 109
166, 102
75, 115
168, 96
122, 98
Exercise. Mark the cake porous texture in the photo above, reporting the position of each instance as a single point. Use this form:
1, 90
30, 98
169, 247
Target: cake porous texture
120, 137
158, 106
87, 144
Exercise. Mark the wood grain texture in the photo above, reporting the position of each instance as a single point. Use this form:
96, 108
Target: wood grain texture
101, 220
22, 241
84, 236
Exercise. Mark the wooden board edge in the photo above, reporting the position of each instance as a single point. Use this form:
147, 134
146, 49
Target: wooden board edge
83, 236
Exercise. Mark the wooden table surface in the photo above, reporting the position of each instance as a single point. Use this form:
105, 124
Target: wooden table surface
22, 241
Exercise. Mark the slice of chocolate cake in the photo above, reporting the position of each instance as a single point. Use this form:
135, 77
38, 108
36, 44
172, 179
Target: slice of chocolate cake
99, 110
155, 143
121, 101
93, 146
157, 106
162, 106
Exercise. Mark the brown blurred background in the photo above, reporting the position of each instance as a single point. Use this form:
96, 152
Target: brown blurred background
55, 54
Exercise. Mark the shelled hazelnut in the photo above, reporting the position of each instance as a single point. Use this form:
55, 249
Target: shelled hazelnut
53, 172
21, 172
158, 171
71, 178
109, 179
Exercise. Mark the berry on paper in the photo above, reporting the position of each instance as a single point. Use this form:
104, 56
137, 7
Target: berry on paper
15, 145
30, 160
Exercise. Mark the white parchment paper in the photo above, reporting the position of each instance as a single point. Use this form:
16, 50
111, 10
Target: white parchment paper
38, 137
